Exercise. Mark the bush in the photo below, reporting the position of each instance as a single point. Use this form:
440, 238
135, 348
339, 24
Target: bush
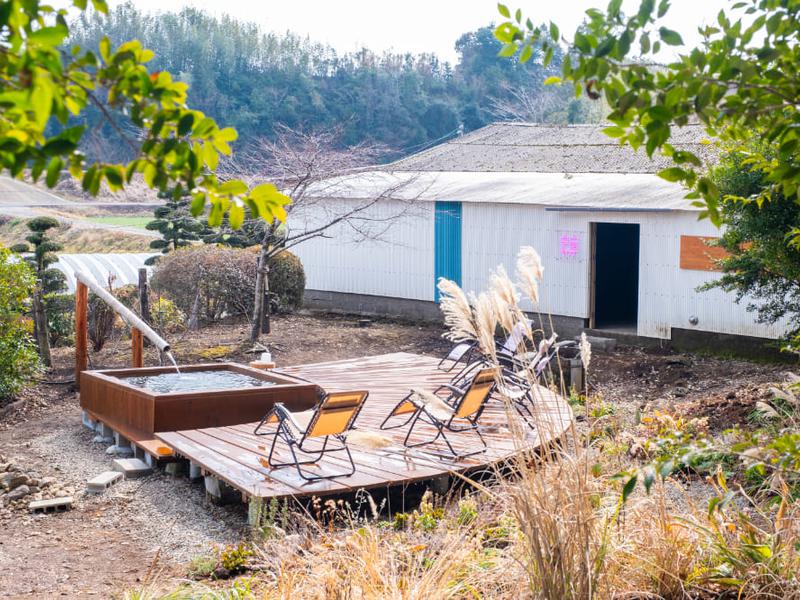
207, 282
287, 281
101, 321
19, 361
60, 311
166, 317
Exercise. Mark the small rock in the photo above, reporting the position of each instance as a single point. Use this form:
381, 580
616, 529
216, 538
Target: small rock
12, 480
678, 359
119, 450
18, 493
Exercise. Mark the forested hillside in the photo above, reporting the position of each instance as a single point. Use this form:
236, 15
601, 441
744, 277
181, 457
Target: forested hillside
253, 80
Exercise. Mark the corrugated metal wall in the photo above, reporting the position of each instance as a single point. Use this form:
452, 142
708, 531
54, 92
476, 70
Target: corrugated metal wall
401, 264
396, 262
667, 294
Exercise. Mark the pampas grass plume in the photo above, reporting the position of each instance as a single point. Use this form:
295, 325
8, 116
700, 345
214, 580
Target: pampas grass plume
457, 312
529, 272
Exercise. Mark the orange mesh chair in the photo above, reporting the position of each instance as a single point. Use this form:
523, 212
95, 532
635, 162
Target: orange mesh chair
460, 404
330, 419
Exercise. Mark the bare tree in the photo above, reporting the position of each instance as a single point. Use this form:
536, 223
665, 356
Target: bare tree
531, 105
314, 169
524, 104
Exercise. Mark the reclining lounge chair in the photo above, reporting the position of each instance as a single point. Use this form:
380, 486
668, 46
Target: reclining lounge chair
330, 420
444, 413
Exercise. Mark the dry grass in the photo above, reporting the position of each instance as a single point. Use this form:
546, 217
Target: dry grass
78, 239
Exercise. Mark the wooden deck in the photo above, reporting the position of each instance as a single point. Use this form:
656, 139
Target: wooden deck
237, 457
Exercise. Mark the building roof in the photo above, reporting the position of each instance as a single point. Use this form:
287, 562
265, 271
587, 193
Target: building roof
541, 148
123, 267
558, 191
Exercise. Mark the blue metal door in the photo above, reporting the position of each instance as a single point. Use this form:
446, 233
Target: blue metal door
447, 243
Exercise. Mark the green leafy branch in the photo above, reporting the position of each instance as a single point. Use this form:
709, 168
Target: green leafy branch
178, 148
740, 82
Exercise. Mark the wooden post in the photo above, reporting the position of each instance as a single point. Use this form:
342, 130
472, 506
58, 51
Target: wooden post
137, 348
81, 331
144, 299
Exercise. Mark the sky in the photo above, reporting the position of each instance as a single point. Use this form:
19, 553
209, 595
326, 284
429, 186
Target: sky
418, 25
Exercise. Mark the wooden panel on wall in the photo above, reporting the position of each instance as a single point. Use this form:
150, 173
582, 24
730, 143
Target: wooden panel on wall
697, 255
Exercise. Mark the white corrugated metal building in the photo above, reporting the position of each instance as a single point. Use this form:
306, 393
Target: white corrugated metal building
622, 249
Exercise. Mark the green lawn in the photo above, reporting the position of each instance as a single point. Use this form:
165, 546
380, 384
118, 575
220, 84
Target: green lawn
122, 221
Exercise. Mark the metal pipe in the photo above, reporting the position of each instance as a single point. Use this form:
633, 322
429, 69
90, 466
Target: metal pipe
123, 311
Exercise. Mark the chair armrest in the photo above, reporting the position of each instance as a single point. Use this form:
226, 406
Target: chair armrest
284, 413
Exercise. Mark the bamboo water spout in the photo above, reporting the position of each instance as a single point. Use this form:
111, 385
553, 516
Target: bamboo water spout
123, 311
139, 327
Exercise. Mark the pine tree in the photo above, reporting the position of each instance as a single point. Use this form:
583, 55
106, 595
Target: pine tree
177, 226
50, 282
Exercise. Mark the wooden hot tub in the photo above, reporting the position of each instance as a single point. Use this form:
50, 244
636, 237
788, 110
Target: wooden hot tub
108, 397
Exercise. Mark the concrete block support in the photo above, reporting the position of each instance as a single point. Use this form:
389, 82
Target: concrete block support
177, 468
219, 492
100, 483
576, 375
87, 421
440, 485
255, 510
132, 468
121, 441
195, 472
104, 430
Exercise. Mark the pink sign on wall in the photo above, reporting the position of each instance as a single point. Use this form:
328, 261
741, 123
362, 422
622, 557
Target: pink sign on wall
569, 244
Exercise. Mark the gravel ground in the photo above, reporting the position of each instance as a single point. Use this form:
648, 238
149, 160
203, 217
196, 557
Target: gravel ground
156, 518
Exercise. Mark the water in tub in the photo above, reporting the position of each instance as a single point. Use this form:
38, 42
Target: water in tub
195, 381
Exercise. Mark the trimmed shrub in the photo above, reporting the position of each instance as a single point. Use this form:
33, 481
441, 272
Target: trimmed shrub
287, 282
60, 311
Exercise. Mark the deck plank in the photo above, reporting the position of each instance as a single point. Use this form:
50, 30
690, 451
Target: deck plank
238, 457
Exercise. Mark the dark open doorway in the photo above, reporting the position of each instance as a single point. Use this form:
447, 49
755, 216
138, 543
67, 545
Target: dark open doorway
615, 293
